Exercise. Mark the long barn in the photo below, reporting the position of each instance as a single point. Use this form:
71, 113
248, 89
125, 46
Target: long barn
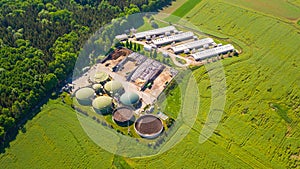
173, 38
159, 31
212, 52
192, 45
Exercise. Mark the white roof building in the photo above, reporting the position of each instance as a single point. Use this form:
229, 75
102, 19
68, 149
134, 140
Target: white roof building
212, 52
159, 31
121, 37
173, 38
191, 45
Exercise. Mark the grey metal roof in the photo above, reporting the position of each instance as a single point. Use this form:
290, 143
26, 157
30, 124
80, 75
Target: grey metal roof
147, 70
212, 52
191, 45
121, 37
170, 39
158, 31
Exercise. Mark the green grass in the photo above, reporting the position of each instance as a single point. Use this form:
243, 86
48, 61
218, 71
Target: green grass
175, 5
54, 139
185, 8
251, 134
278, 8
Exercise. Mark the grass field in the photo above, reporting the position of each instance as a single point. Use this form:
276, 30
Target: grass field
278, 8
174, 6
184, 8
259, 128
54, 139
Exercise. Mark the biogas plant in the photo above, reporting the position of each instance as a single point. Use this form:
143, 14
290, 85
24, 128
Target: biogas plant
123, 88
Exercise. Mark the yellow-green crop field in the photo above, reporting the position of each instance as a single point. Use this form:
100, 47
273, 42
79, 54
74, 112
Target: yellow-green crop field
260, 126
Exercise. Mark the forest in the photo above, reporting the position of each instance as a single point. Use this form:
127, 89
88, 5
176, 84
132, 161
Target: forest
40, 41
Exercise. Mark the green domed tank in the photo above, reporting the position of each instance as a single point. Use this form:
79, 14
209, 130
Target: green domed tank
84, 96
114, 88
101, 77
130, 99
103, 105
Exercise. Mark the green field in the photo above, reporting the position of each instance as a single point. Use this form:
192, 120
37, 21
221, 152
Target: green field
259, 128
277, 8
54, 139
185, 8
174, 6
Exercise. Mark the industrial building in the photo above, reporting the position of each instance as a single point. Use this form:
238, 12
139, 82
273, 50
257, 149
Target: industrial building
159, 31
122, 37
148, 126
84, 96
103, 105
212, 52
146, 72
192, 45
173, 38
134, 57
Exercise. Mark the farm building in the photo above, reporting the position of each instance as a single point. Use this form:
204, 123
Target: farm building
100, 77
148, 126
114, 88
147, 48
212, 52
134, 57
123, 116
130, 99
173, 38
146, 72
159, 31
122, 37
192, 45
85, 95
103, 105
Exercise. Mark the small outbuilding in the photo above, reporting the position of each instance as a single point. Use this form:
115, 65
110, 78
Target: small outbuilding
147, 48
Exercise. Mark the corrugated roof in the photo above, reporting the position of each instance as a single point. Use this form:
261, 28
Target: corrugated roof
173, 38
212, 52
122, 37
154, 32
191, 45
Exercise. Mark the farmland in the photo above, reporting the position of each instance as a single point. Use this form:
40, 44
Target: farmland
54, 139
184, 8
260, 125
278, 8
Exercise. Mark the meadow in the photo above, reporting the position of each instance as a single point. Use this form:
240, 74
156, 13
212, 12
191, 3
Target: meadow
278, 8
259, 127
